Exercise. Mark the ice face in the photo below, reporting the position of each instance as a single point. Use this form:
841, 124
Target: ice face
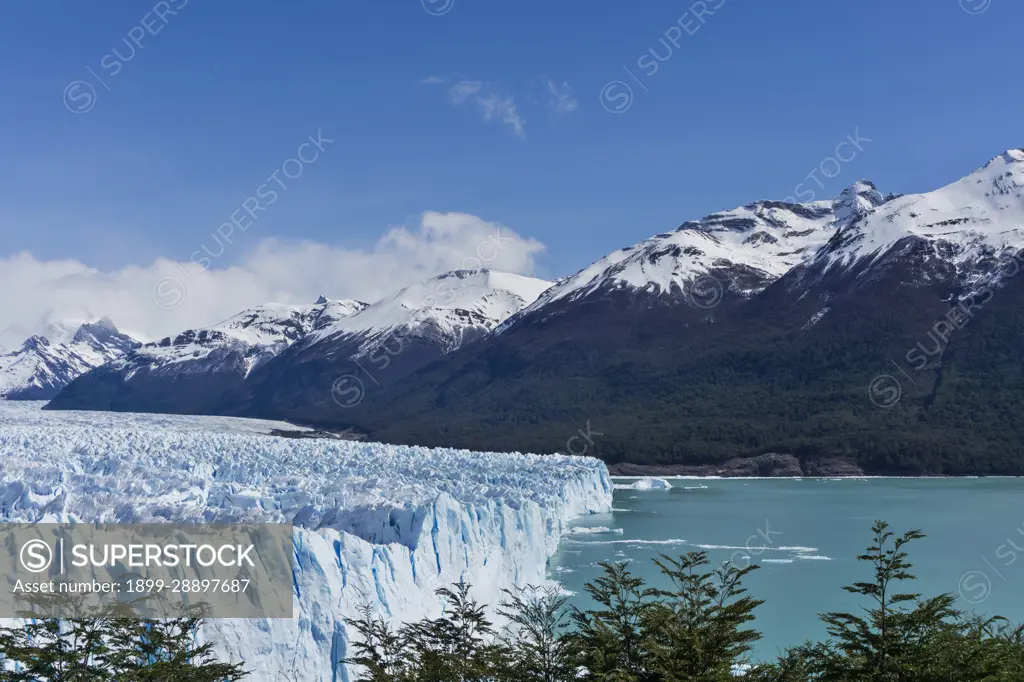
378, 524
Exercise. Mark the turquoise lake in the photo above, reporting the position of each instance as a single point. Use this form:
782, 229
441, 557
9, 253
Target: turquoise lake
806, 533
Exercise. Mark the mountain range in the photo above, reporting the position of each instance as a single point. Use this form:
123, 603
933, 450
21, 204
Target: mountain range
45, 364
276, 352
876, 332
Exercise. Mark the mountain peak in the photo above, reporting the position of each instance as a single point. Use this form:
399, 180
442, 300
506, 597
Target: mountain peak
978, 214
449, 302
1007, 157
321, 301
42, 366
461, 274
104, 324
860, 187
856, 200
35, 341
99, 331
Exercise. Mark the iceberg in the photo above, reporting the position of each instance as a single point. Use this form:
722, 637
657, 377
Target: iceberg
594, 530
374, 524
647, 483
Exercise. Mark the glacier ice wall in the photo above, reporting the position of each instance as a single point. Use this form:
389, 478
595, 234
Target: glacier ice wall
378, 524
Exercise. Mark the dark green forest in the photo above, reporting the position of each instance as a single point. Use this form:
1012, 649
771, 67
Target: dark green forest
883, 381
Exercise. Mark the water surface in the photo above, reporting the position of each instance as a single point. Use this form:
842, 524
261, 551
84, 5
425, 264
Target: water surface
806, 533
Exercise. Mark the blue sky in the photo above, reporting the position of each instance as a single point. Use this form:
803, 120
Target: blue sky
488, 108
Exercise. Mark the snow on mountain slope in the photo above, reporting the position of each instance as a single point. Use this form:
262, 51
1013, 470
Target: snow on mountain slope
760, 241
377, 524
257, 362
448, 309
978, 217
43, 366
242, 342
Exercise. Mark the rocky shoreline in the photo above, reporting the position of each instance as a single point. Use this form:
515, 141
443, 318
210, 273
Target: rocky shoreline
769, 465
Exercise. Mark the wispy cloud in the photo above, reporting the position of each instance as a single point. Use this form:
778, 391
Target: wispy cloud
560, 97
487, 99
501, 108
463, 90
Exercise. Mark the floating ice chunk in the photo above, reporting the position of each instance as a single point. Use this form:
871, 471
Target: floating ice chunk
594, 530
647, 483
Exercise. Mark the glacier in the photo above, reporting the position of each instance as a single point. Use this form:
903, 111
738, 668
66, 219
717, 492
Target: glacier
374, 524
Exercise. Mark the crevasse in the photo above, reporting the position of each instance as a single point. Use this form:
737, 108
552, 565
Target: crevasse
378, 524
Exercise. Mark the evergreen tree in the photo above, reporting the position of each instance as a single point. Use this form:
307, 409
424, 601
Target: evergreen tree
898, 626
902, 636
118, 649
458, 646
383, 653
50, 650
610, 640
535, 639
696, 629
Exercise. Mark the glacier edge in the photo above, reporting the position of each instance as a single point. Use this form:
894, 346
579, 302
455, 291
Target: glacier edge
372, 524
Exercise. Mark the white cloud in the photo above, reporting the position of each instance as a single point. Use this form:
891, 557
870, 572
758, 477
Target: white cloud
463, 90
166, 297
501, 108
560, 97
491, 104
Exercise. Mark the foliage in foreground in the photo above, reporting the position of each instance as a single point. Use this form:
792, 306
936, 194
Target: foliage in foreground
696, 631
116, 649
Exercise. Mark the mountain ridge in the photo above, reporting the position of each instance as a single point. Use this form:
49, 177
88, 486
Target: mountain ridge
226, 363
752, 331
40, 368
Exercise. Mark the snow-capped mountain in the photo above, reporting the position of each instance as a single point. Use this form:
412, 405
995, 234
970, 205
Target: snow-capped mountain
813, 301
967, 226
386, 341
44, 365
201, 364
449, 310
249, 359
744, 250
240, 343
820, 305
